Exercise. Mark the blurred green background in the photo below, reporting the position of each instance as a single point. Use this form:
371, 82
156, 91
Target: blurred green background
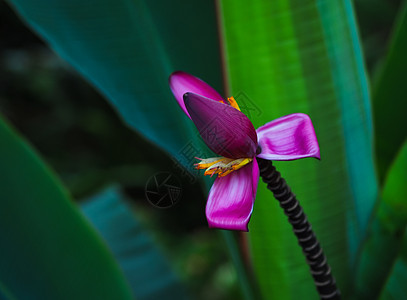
85, 141
87, 144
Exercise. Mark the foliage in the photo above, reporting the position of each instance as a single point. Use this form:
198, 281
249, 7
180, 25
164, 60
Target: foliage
278, 57
42, 231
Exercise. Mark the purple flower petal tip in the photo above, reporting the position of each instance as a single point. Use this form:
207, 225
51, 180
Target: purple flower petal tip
226, 130
229, 224
181, 83
288, 138
231, 199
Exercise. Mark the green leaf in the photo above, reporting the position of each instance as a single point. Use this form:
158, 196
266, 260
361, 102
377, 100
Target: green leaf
387, 231
5, 293
128, 48
144, 266
396, 287
284, 57
48, 250
247, 284
389, 92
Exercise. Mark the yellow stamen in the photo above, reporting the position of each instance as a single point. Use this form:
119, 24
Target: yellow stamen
217, 167
221, 165
233, 103
236, 165
207, 162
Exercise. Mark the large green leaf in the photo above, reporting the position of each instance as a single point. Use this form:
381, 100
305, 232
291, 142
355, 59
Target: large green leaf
145, 267
292, 56
128, 48
387, 231
389, 92
47, 248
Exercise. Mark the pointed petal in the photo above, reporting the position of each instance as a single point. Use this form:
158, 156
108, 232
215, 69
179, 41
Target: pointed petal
231, 199
288, 138
226, 131
181, 83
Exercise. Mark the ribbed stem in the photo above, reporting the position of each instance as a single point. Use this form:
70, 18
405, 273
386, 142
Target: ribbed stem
315, 257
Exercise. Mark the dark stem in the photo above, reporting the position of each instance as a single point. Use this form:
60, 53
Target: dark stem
315, 257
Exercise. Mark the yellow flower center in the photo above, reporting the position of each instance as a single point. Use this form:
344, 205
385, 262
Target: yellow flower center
221, 165
232, 102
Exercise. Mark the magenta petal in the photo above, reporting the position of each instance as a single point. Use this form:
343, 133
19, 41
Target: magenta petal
226, 130
181, 83
231, 198
288, 138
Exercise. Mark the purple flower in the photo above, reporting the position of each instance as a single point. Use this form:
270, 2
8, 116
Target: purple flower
231, 135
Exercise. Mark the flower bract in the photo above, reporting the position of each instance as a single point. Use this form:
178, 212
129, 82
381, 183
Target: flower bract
232, 137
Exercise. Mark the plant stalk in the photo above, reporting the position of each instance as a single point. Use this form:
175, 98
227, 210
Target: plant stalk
315, 257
